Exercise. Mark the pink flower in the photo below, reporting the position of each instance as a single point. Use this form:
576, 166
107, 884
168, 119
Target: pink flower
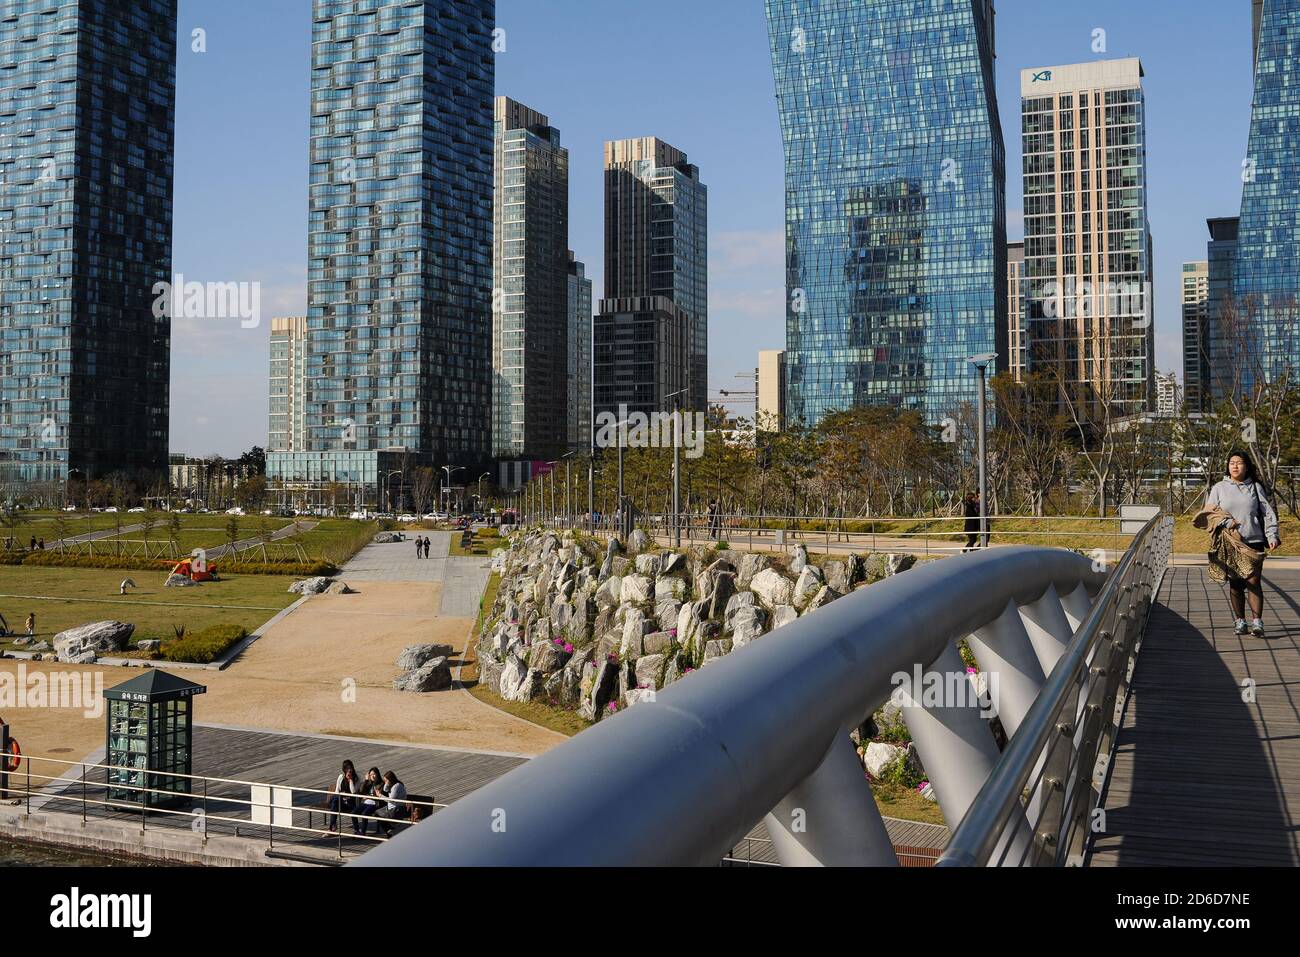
923, 785
568, 647
613, 706
971, 671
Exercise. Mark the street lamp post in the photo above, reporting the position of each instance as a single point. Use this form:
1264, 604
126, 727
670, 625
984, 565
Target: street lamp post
450, 472
568, 498
677, 468
981, 363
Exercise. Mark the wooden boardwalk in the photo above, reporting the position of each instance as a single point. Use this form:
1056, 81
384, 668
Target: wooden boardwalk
1207, 763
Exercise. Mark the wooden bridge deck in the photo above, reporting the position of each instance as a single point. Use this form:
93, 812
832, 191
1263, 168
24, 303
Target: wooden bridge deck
1207, 763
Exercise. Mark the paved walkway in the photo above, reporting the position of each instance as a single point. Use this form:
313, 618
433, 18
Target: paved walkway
462, 579
1207, 762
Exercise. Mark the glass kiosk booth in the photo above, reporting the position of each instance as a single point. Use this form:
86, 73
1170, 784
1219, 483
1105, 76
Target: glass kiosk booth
150, 732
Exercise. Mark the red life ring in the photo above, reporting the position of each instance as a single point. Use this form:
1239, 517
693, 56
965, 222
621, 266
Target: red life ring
14, 756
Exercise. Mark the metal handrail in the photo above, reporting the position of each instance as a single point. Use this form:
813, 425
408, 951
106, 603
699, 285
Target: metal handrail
975, 841
46, 791
763, 733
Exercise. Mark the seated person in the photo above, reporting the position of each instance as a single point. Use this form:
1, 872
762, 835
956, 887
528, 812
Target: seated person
396, 809
372, 789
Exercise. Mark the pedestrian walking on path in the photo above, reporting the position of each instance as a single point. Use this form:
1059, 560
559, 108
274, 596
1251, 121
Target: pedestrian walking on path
1243, 529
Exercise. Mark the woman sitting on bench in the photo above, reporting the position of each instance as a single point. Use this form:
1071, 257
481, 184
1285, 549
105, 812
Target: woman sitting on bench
396, 809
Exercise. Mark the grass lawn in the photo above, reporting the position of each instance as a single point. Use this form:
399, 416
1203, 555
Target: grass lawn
485, 540
894, 800
67, 597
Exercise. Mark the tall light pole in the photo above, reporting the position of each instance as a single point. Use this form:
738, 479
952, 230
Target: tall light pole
568, 497
480, 487
450, 472
388, 486
981, 363
677, 467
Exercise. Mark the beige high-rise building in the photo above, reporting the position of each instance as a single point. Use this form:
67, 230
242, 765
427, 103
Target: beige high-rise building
288, 401
1016, 310
1196, 343
1088, 252
771, 390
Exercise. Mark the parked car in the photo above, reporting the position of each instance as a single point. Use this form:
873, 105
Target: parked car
136, 509
235, 511
408, 518
111, 508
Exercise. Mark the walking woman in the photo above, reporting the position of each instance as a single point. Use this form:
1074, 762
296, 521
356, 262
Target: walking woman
1243, 529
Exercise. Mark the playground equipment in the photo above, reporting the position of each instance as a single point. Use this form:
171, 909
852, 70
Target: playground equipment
196, 567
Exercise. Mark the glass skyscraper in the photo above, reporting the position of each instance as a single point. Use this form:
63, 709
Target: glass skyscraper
895, 201
1266, 280
87, 109
400, 224
530, 303
579, 364
657, 247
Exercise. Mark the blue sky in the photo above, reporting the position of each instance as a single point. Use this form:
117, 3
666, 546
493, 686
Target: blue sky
693, 72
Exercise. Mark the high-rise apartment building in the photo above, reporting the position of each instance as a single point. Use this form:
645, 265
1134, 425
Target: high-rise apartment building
530, 268
1016, 310
1223, 372
641, 355
1196, 346
1166, 395
656, 247
287, 391
770, 386
895, 202
579, 360
87, 111
1263, 312
1088, 259
399, 240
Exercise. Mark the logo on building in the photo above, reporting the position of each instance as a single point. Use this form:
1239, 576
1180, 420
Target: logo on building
1042, 75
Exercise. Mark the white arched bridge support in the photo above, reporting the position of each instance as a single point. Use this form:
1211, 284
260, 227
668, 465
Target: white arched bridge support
763, 733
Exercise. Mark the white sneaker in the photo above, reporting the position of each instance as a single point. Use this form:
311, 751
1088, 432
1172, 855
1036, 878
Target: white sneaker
1239, 627
1257, 628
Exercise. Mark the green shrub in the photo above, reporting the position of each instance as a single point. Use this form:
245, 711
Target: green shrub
900, 772
722, 545
205, 646
65, 560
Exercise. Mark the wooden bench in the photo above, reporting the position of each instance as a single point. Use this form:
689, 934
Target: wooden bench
418, 811
467, 539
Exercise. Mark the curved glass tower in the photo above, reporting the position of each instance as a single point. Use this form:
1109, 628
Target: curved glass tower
1266, 280
895, 201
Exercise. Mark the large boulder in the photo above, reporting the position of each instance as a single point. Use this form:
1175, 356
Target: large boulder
746, 625
741, 599
180, 581
100, 638
547, 656
649, 671
724, 587
657, 643
669, 589
825, 595
716, 648
635, 627
810, 580
772, 588
638, 541
879, 756
388, 538
513, 677
433, 675
783, 615
416, 656
648, 565
339, 588
750, 565
609, 593
837, 576
604, 685
672, 562
310, 586
635, 590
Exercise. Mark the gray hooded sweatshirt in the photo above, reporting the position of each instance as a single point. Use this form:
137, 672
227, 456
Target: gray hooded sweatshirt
1238, 500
